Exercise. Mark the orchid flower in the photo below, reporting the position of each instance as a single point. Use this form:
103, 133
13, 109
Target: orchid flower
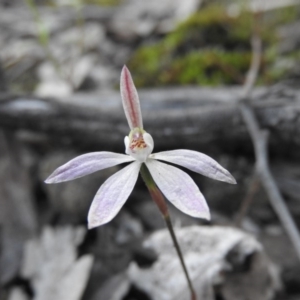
176, 185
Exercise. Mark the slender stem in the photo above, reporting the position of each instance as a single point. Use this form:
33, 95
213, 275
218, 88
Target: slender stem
154, 191
177, 247
161, 203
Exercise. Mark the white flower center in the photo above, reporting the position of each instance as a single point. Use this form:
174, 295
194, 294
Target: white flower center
139, 144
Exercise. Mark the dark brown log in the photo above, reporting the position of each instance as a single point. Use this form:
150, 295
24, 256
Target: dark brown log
187, 117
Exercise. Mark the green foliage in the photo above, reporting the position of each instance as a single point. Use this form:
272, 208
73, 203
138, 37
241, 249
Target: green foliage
209, 48
79, 3
203, 67
76, 3
103, 2
42, 32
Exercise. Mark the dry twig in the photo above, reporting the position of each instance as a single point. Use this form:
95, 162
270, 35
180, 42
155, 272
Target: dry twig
259, 139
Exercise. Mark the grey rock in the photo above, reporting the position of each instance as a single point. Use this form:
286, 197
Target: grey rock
149, 214
3, 83
226, 258
17, 294
89, 36
114, 288
129, 228
51, 264
139, 19
18, 215
105, 76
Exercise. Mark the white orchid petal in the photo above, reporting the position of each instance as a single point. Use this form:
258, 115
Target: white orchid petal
130, 100
197, 162
149, 141
112, 195
127, 142
86, 164
179, 188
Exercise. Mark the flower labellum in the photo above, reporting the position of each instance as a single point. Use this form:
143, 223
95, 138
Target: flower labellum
176, 185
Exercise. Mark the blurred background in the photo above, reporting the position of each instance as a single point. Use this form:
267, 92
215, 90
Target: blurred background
60, 64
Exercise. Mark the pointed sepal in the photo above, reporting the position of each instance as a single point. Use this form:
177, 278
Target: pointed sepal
130, 100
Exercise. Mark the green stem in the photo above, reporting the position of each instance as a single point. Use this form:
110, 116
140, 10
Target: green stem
161, 203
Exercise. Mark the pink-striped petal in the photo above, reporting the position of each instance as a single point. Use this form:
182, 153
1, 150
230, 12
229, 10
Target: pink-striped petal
197, 162
112, 195
179, 188
130, 100
86, 164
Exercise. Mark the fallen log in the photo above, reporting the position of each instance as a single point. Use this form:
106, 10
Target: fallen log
195, 118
